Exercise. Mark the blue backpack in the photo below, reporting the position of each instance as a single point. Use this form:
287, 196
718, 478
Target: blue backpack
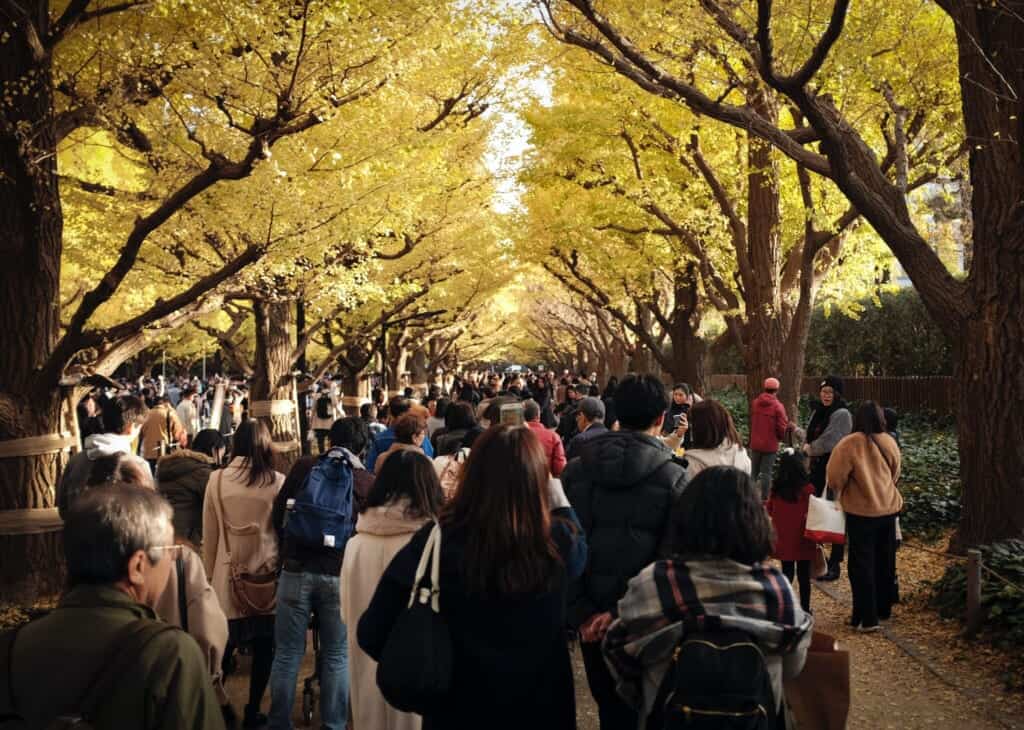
321, 513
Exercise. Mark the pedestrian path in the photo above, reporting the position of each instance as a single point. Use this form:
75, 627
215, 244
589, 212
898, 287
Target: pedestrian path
896, 681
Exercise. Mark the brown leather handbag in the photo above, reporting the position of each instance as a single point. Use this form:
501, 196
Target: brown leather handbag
255, 593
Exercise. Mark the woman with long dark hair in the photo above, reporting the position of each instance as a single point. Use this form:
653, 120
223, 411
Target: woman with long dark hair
238, 534
864, 471
405, 496
510, 543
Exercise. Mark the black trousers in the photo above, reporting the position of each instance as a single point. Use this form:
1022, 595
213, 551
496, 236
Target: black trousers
321, 439
872, 566
803, 577
613, 712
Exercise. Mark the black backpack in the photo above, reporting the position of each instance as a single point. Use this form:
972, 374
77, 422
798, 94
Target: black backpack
323, 406
717, 679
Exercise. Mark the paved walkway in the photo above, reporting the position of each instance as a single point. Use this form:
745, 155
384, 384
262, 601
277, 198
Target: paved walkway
898, 679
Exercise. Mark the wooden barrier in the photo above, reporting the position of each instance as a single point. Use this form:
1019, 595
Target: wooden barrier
932, 393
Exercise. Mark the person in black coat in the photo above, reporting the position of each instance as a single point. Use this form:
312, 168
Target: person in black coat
622, 487
503, 591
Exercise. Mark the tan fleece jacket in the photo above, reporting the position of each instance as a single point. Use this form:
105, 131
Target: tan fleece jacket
864, 477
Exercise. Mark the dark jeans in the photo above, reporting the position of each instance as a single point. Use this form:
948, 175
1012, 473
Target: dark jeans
803, 577
872, 566
613, 712
817, 476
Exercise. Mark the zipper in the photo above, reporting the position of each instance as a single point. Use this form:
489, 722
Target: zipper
688, 712
678, 649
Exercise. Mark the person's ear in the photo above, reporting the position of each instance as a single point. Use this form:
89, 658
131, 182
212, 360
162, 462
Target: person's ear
660, 422
136, 568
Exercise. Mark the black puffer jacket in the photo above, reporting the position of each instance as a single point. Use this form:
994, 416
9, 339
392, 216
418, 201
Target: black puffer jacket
181, 477
622, 488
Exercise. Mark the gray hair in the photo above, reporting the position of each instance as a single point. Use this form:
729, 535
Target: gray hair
107, 525
531, 410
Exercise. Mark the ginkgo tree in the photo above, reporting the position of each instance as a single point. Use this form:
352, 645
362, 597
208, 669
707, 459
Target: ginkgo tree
796, 49
763, 235
221, 115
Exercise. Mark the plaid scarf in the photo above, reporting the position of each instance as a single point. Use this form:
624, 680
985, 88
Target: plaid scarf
672, 594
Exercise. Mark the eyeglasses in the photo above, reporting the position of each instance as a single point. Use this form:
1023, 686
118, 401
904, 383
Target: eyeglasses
173, 550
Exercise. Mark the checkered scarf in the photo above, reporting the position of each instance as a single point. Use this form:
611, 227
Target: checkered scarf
672, 594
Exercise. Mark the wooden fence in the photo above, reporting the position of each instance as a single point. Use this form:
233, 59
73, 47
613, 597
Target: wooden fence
934, 393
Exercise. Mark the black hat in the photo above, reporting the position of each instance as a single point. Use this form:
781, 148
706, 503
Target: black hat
834, 382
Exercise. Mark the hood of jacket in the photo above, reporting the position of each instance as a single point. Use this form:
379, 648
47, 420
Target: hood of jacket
106, 444
621, 459
180, 462
765, 403
725, 454
389, 520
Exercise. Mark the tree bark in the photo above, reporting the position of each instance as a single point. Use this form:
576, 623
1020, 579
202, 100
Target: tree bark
32, 225
764, 333
990, 341
272, 379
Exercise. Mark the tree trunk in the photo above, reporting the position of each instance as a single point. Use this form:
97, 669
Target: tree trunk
990, 343
272, 379
794, 354
764, 334
303, 367
687, 356
32, 225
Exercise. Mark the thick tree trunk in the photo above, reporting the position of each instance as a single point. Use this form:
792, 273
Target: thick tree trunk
30, 247
764, 333
990, 343
688, 351
272, 379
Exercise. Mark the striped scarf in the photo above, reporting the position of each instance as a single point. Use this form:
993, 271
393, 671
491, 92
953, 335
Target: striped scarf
670, 594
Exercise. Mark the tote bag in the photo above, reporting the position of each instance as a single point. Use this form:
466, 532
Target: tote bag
826, 521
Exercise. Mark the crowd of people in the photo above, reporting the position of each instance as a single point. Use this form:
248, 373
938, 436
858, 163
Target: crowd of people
534, 511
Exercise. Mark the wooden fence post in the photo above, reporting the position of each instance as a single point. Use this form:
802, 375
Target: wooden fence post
974, 617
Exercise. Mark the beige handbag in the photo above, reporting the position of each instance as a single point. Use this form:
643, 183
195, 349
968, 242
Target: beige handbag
255, 593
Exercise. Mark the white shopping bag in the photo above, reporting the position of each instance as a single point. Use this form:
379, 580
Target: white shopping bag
826, 521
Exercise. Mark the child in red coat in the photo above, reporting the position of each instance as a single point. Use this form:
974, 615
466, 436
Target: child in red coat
788, 508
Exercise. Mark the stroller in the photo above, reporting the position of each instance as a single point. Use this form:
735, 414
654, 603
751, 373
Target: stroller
308, 693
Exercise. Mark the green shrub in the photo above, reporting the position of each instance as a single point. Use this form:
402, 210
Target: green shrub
930, 481
1003, 604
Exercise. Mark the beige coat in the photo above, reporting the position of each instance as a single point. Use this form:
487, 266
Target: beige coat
250, 532
380, 533
206, 621
864, 476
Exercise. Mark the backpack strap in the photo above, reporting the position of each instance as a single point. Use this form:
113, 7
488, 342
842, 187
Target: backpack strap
179, 567
127, 645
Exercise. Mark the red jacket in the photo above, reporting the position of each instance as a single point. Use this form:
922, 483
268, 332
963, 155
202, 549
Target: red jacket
768, 423
790, 519
552, 444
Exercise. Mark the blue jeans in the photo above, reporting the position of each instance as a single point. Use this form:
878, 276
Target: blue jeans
297, 595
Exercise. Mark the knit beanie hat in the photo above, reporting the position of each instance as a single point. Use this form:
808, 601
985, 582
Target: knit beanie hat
834, 382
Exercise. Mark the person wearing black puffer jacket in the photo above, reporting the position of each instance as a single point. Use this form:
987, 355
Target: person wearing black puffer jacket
622, 488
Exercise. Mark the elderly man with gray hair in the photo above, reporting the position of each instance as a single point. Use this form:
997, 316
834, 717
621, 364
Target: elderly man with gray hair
118, 665
590, 421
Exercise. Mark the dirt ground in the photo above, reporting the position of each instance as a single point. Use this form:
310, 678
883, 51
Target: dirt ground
917, 673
